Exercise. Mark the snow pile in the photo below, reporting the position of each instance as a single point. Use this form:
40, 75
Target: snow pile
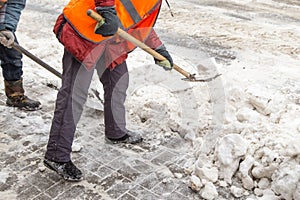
245, 135
255, 151
263, 156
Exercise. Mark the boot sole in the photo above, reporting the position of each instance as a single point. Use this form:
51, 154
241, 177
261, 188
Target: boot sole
25, 108
126, 141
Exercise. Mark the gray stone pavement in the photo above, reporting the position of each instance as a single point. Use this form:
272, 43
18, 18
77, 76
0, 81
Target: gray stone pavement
120, 171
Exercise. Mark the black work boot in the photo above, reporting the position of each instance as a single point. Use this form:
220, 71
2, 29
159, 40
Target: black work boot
15, 96
129, 138
65, 169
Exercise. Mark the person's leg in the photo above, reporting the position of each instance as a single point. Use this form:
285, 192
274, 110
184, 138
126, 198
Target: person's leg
69, 106
115, 83
11, 63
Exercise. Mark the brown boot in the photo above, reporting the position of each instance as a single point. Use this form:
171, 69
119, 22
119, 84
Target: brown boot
15, 96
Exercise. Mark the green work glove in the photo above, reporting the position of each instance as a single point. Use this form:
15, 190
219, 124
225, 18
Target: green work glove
7, 38
166, 64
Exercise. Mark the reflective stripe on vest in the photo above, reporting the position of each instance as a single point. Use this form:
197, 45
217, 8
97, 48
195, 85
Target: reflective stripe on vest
131, 10
132, 14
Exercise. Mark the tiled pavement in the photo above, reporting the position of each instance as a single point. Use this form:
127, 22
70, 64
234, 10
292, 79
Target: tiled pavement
111, 171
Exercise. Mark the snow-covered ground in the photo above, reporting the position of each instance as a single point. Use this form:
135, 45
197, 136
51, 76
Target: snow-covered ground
243, 127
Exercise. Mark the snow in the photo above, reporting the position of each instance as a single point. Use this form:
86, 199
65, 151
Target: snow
243, 128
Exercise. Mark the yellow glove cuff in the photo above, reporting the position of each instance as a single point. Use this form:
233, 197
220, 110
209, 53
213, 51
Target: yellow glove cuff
165, 64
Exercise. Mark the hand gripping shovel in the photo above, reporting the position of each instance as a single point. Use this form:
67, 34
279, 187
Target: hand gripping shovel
133, 40
90, 103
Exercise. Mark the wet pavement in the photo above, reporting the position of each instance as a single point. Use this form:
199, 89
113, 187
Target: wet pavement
119, 171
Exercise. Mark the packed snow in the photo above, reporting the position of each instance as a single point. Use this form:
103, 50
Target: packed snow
243, 127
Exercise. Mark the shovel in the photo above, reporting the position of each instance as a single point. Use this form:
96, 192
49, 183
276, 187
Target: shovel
143, 46
98, 105
95, 104
36, 59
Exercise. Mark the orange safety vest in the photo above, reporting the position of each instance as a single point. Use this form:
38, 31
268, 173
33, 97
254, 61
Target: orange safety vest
132, 14
78, 37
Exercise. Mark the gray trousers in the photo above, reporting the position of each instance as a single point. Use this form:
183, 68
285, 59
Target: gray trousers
71, 98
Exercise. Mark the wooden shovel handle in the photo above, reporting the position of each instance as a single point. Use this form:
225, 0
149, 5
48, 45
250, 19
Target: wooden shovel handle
138, 43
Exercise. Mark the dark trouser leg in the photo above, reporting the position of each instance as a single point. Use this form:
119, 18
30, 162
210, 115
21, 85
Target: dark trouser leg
11, 63
115, 84
69, 106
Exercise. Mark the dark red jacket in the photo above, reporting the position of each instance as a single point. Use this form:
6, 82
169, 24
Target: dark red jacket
115, 49
103, 3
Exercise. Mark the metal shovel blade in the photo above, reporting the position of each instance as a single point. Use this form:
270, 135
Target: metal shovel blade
193, 78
